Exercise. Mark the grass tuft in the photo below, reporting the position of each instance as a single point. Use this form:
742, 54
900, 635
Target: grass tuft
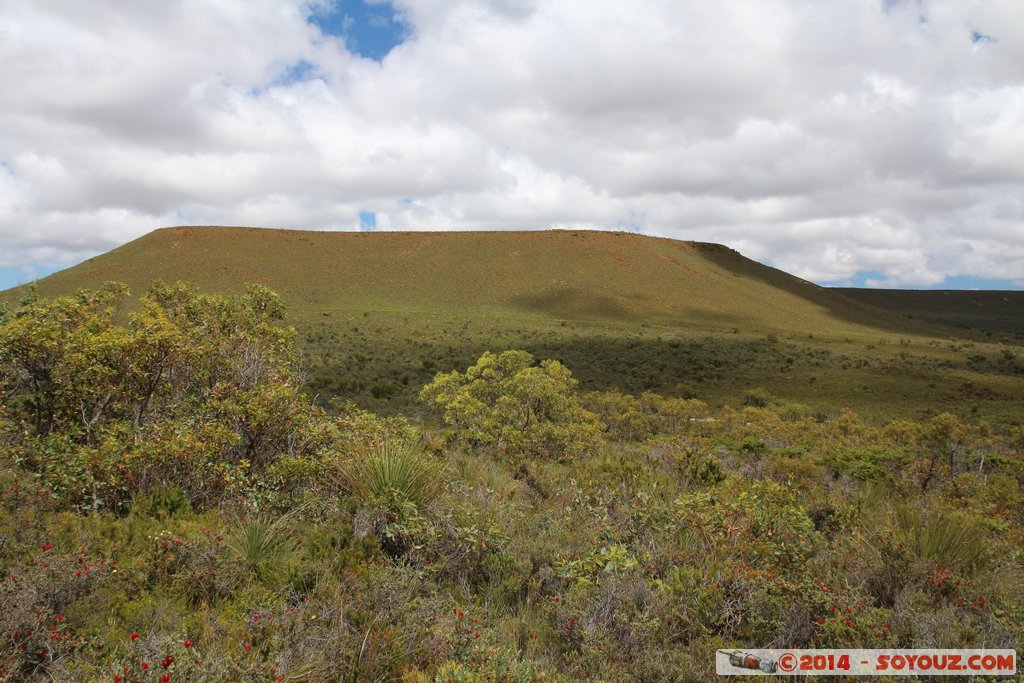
391, 468
264, 547
944, 538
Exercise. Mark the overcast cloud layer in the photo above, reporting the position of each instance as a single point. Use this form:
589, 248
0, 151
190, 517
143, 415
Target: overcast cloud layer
877, 142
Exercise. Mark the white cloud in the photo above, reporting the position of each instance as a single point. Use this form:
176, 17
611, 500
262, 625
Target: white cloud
825, 138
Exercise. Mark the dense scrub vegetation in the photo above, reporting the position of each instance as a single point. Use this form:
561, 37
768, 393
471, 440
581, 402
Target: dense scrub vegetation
174, 507
381, 360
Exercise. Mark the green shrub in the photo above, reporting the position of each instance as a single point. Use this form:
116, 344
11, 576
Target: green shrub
162, 501
870, 464
195, 391
508, 404
765, 522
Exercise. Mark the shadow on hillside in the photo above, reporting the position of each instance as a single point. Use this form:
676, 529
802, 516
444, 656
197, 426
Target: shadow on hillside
836, 303
575, 304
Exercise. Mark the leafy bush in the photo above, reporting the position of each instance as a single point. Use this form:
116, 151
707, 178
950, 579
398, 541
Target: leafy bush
162, 501
508, 404
868, 464
393, 482
764, 522
195, 391
629, 418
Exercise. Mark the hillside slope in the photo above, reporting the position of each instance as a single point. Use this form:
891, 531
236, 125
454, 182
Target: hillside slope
567, 275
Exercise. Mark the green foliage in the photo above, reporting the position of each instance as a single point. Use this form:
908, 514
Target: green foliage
703, 471
491, 665
629, 418
684, 529
764, 522
506, 403
397, 470
162, 502
263, 547
869, 464
942, 538
195, 391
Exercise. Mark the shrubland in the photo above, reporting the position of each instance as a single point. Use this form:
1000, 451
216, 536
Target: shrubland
173, 506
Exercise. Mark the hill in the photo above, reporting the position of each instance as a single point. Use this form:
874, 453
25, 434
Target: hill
380, 313
561, 275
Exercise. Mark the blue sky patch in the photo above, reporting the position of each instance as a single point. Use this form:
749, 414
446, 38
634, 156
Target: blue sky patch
367, 221
979, 37
21, 275
863, 277
962, 282
369, 29
298, 72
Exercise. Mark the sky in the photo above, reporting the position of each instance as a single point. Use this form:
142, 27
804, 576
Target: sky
875, 143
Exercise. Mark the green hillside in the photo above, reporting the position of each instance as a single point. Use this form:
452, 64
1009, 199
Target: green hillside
380, 313
573, 275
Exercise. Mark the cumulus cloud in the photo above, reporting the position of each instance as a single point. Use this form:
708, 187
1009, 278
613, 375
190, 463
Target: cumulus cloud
828, 139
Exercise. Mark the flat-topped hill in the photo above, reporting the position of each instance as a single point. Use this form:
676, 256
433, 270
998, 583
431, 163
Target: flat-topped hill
575, 275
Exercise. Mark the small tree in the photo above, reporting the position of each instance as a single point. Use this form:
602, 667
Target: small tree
508, 403
191, 390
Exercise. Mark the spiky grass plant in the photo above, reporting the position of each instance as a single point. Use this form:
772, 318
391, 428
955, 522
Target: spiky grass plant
396, 470
264, 547
944, 538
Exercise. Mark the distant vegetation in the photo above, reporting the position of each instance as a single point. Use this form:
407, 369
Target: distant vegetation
174, 506
994, 314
